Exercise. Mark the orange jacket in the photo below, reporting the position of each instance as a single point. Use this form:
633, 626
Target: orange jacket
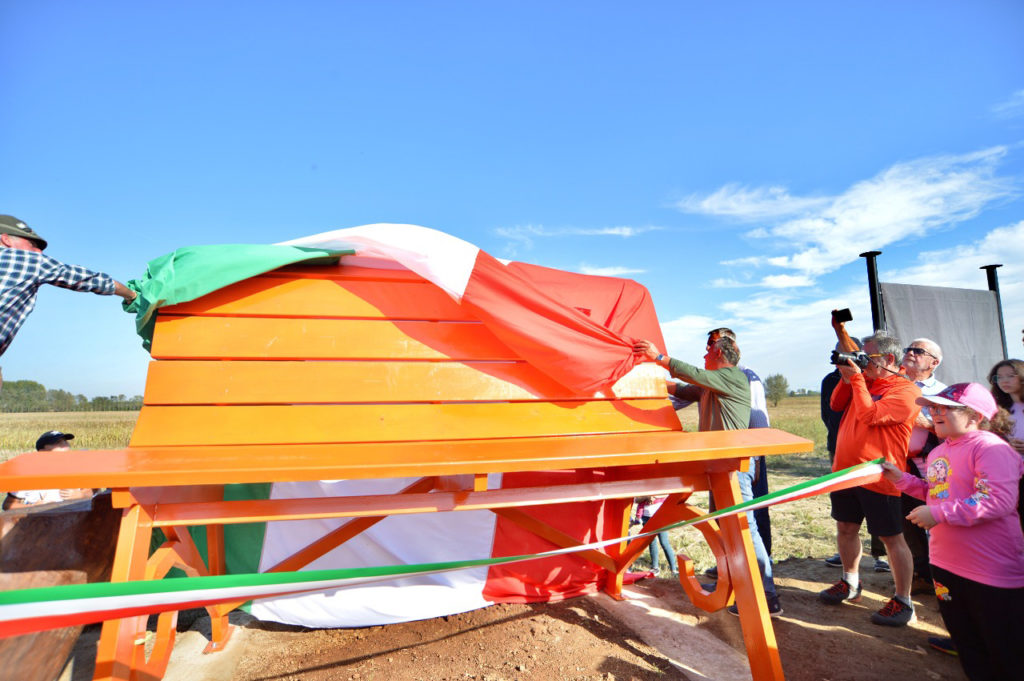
877, 420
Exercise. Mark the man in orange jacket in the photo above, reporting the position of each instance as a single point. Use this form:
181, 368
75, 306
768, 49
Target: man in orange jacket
879, 410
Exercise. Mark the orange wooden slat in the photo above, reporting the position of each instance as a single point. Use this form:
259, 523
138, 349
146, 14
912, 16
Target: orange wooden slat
309, 424
161, 466
263, 338
271, 296
290, 382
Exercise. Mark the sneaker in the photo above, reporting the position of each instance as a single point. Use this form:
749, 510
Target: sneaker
882, 566
839, 592
895, 613
943, 644
774, 607
834, 561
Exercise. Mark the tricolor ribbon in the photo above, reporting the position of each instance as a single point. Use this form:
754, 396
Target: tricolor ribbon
25, 611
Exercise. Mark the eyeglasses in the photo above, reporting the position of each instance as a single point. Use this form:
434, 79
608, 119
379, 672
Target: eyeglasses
942, 409
918, 351
1001, 377
874, 355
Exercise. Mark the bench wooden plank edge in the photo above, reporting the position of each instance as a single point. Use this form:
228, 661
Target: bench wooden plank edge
228, 464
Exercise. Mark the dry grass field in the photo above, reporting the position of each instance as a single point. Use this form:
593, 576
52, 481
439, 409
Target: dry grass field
92, 430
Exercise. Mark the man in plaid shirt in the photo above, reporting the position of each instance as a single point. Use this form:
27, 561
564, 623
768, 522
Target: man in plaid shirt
24, 268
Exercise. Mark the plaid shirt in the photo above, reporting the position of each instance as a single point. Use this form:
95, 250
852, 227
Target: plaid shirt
23, 272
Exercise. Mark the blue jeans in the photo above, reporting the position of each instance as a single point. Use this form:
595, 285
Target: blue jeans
764, 562
666, 546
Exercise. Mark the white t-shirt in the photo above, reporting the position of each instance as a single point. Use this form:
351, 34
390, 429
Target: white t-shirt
1017, 412
38, 496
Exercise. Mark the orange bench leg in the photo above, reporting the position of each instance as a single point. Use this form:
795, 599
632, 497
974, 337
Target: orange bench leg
117, 645
762, 649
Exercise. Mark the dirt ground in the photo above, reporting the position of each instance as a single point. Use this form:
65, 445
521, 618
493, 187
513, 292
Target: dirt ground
592, 638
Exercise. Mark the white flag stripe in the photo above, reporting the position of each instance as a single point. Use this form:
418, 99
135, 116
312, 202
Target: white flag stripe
441, 258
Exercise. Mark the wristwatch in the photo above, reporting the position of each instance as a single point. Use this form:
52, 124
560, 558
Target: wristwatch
659, 358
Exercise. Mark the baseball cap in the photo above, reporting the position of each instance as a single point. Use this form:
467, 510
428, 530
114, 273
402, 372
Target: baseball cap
12, 225
973, 395
51, 437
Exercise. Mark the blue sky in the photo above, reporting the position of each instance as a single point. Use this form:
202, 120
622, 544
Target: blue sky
733, 159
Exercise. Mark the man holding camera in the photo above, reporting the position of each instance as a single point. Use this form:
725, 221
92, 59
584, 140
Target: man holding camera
879, 411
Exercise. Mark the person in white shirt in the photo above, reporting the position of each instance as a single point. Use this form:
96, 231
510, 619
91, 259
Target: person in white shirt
50, 441
920, 360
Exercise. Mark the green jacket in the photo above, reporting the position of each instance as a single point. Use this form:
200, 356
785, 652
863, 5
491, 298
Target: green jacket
723, 394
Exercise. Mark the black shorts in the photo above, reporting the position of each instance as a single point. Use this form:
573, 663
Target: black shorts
884, 513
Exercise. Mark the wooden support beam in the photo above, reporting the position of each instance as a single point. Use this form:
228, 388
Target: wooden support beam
373, 506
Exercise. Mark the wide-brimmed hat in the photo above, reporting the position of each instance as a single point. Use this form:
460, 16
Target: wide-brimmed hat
973, 395
12, 225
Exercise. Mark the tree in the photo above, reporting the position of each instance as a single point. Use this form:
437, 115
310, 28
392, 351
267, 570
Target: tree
775, 388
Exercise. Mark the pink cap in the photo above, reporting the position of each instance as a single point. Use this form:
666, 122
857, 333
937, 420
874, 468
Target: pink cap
973, 395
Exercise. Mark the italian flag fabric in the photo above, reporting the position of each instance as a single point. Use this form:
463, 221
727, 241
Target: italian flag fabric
577, 329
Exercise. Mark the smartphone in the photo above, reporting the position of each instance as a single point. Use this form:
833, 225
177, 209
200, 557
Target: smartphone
843, 315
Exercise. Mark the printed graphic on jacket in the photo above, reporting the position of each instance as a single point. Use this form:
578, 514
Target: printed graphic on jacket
938, 478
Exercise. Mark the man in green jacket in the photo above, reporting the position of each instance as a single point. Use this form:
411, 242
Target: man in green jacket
721, 388
722, 392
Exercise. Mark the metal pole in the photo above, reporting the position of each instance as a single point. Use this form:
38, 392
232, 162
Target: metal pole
877, 314
993, 285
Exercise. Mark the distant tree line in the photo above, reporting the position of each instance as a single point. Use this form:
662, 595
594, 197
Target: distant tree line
25, 396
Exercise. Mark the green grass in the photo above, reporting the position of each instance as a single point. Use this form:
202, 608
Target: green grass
800, 529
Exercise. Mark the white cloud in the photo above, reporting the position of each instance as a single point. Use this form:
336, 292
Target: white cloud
754, 261
1012, 107
612, 271
785, 281
730, 283
906, 200
525, 235
958, 267
733, 200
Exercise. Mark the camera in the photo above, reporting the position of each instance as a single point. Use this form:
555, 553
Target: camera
859, 358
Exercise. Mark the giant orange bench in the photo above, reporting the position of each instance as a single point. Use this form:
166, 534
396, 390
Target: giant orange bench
337, 372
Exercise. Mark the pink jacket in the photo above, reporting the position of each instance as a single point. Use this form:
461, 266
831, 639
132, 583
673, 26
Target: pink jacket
971, 489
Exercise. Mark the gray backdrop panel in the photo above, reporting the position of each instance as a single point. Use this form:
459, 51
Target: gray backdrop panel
964, 322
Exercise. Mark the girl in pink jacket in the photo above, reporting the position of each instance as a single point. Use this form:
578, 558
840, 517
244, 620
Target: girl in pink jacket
976, 545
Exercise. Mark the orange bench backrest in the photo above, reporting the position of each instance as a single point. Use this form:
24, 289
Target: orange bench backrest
347, 354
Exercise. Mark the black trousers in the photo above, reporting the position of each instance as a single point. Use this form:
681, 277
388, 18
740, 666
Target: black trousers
916, 537
986, 623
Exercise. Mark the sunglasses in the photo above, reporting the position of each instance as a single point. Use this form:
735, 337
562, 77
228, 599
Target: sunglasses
918, 351
1006, 377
